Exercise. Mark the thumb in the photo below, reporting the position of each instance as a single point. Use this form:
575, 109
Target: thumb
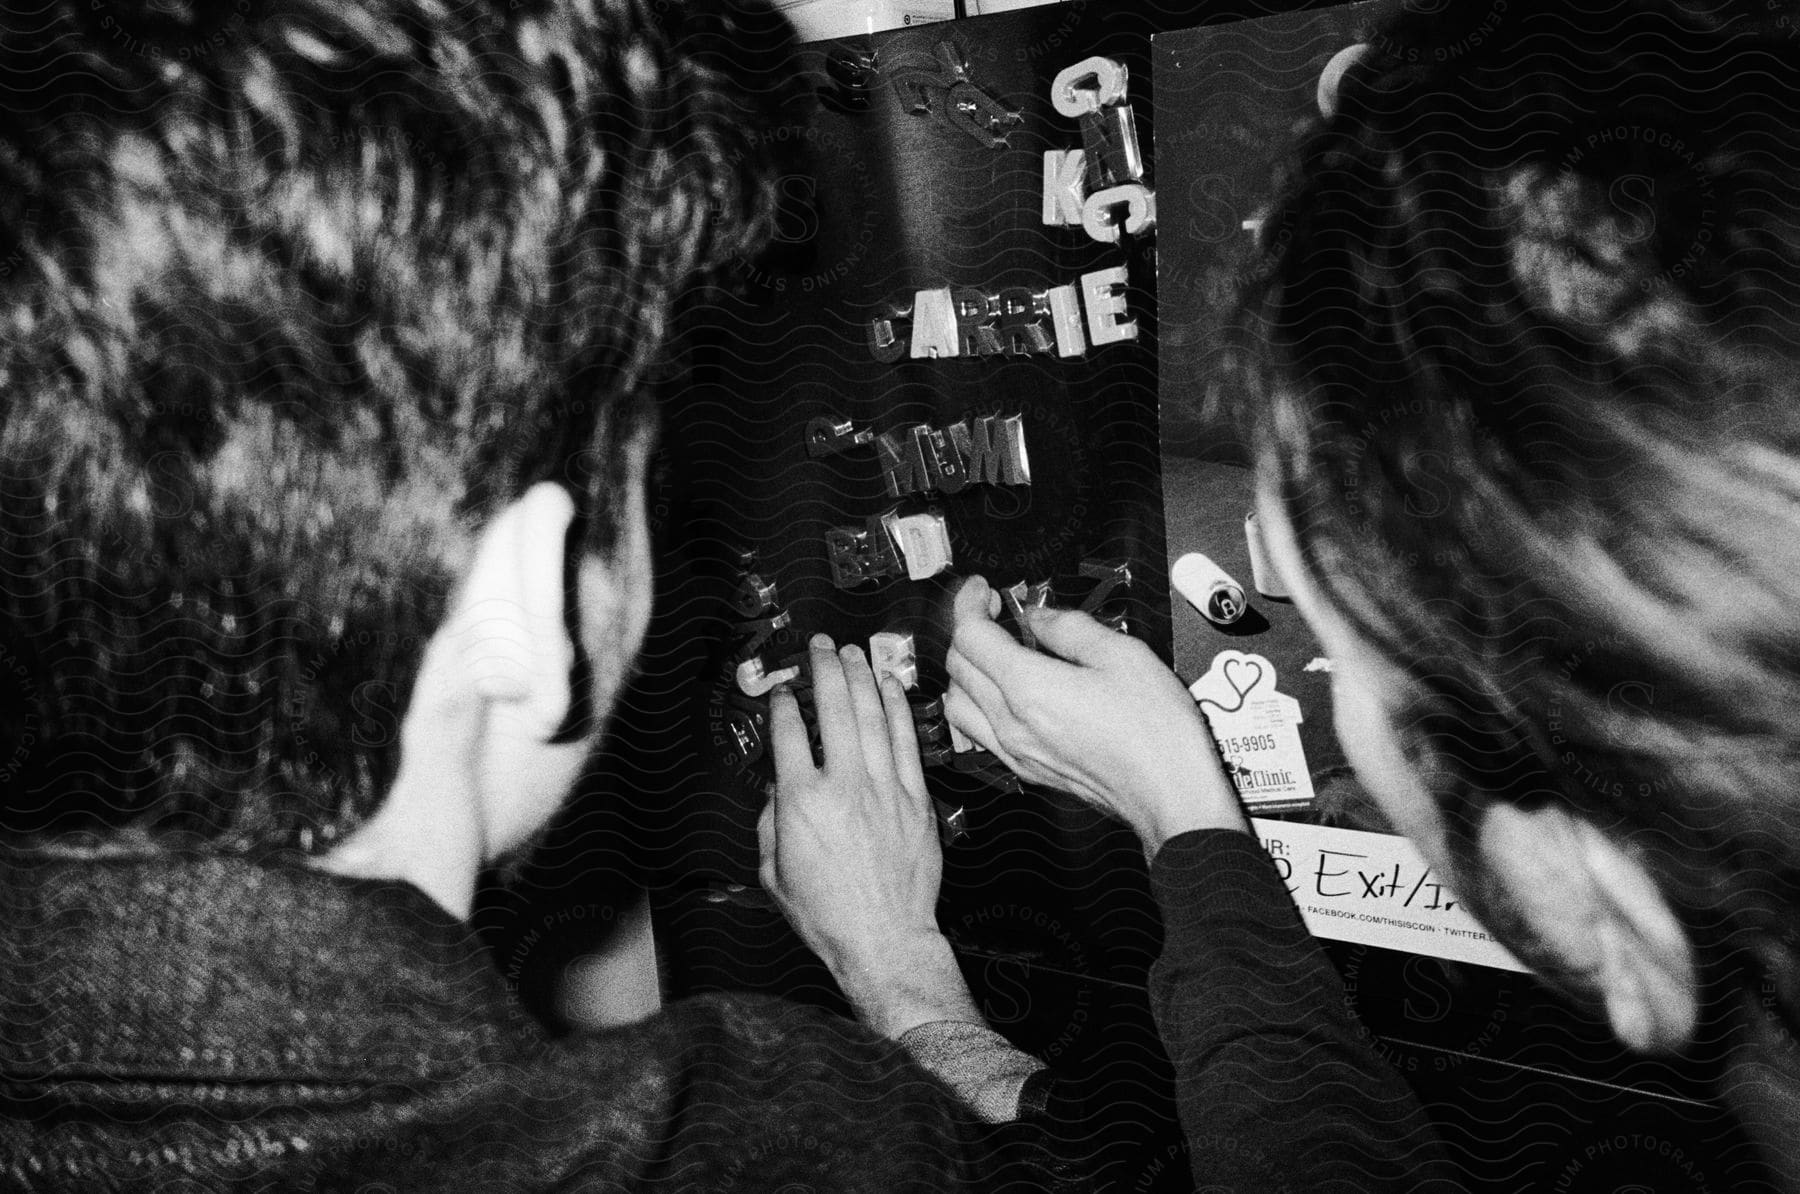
975, 601
1072, 635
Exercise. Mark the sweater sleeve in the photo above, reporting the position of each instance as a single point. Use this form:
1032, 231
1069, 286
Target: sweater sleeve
976, 1062
1277, 1081
741, 1092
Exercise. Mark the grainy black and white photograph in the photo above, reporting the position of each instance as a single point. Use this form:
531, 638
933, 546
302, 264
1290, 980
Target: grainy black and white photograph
899, 595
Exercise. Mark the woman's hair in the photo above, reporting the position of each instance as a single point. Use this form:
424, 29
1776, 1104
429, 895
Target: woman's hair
293, 297
1529, 388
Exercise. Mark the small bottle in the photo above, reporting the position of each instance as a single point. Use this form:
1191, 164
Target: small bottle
1262, 569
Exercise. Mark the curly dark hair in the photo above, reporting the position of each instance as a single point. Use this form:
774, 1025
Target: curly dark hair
1529, 391
293, 296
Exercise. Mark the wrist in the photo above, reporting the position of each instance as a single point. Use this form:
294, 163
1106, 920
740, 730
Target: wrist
1156, 833
911, 981
1197, 795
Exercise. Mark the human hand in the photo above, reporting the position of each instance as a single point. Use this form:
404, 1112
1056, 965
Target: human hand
850, 850
1104, 720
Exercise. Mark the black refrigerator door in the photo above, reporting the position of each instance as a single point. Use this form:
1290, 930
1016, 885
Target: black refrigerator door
920, 354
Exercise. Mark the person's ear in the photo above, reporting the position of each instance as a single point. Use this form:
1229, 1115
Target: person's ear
511, 636
1588, 900
477, 774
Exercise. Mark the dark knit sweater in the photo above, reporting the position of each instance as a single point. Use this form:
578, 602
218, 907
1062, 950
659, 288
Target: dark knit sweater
206, 1025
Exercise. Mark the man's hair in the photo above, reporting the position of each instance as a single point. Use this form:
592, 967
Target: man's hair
293, 297
1530, 391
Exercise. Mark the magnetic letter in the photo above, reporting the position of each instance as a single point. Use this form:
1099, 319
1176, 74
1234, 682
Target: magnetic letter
993, 449
934, 324
976, 311
902, 462
883, 558
925, 544
893, 653
1110, 138
754, 681
1103, 293
760, 632
1140, 212
948, 94
856, 556
754, 595
943, 470
1065, 317
1088, 86
887, 333
843, 550
1008, 438
980, 115
974, 442
1022, 330
1064, 173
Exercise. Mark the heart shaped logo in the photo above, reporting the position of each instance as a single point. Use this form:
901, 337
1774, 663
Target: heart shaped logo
1240, 675
1243, 675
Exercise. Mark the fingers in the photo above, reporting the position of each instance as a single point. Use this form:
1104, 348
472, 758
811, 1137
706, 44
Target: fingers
838, 733
765, 844
787, 735
966, 716
1076, 637
961, 711
871, 718
975, 601
977, 685
993, 651
903, 738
